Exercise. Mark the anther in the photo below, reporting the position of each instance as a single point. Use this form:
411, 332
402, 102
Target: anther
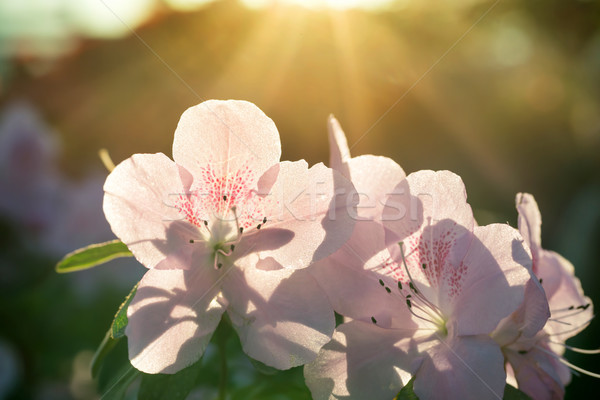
191, 240
399, 285
571, 307
219, 265
522, 351
241, 229
224, 198
232, 247
408, 303
424, 265
264, 220
373, 320
413, 288
387, 289
205, 223
381, 282
258, 226
541, 280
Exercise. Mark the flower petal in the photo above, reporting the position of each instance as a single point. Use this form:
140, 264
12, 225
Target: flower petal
339, 153
138, 204
363, 361
172, 318
571, 309
462, 368
433, 196
374, 178
315, 206
282, 316
538, 374
530, 224
351, 275
493, 284
227, 137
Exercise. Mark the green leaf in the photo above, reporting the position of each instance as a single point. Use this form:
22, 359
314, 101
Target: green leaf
116, 374
92, 255
117, 328
105, 347
170, 386
407, 392
512, 393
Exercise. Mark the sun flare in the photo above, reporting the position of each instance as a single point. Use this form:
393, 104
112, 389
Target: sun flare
322, 4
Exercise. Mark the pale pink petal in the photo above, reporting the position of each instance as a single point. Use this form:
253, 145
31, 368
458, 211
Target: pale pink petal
433, 197
172, 318
492, 279
351, 278
339, 153
225, 139
374, 178
465, 368
282, 317
139, 204
538, 374
571, 309
312, 208
530, 224
363, 361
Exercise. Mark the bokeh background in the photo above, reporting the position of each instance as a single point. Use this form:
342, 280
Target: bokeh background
504, 93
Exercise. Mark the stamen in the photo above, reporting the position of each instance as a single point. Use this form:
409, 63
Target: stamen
381, 282
258, 226
576, 349
264, 220
373, 320
387, 289
582, 326
568, 364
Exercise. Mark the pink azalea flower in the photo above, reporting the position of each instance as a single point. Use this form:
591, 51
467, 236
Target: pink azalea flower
423, 308
533, 351
227, 227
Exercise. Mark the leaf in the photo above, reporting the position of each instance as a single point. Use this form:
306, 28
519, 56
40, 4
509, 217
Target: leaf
105, 347
117, 328
407, 392
92, 255
116, 374
170, 386
512, 393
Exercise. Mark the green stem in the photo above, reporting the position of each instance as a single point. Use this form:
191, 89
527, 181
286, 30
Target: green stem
222, 343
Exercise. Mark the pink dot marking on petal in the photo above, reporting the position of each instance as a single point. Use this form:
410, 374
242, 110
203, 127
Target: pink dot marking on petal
215, 193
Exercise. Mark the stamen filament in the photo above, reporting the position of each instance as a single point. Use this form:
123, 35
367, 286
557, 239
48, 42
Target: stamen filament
568, 364
576, 349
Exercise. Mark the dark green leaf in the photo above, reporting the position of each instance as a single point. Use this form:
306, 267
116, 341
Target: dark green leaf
263, 368
92, 255
170, 386
407, 392
117, 328
512, 393
116, 374
105, 347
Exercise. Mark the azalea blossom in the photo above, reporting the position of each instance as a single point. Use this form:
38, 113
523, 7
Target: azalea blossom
423, 294
227, 227
534, 353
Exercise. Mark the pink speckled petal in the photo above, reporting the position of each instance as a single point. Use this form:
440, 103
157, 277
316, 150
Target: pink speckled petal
363, 361
468, 368
493, 283
350, 277
339, 153
282, 316
172, 318
530, 224
309, 215
139, 206
424, 199
227, 137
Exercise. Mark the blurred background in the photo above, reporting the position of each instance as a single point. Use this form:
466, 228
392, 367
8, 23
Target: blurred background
504, 93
